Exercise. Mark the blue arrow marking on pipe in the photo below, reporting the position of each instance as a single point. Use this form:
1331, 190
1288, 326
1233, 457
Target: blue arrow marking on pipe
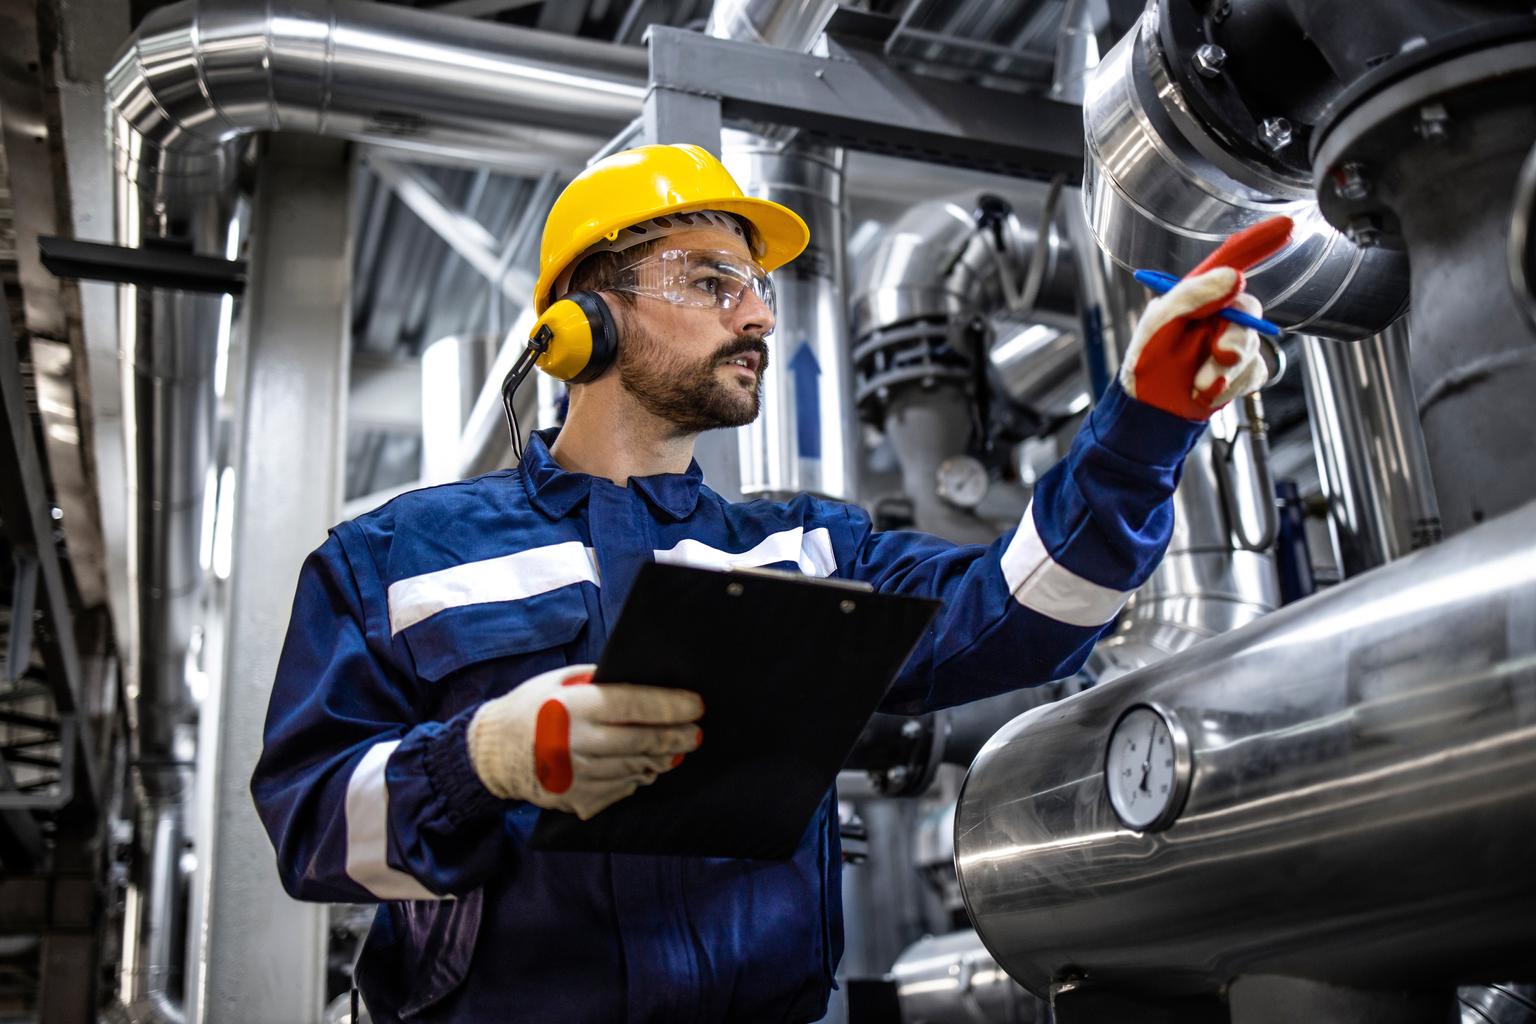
807, 372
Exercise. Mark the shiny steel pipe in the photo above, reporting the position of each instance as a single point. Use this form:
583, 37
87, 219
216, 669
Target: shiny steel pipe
197, 75
153, 943
952, 979
1161, 192
935, 263
807, 436
1205, 585
789, 24
1371, 456
1361, 803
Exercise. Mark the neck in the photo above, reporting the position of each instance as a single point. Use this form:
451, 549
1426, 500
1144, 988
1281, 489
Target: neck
607, 434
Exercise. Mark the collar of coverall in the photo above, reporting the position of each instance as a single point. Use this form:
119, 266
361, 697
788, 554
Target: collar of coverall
555, 491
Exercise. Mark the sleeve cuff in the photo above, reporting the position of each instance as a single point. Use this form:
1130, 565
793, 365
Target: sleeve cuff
1141, 432
462, 795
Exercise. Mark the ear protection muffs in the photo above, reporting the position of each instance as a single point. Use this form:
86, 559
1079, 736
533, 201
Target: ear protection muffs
574, 341
576, 337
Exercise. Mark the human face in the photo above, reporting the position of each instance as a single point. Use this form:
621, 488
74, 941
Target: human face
696, 368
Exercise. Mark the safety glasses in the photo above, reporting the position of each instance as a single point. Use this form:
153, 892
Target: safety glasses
700, 278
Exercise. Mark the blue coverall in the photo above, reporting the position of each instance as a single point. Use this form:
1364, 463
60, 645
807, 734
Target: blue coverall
409, 617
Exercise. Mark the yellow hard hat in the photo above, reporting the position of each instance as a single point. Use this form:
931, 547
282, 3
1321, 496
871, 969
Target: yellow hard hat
637, 184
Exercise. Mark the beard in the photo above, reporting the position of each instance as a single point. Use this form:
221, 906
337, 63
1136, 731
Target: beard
688, 393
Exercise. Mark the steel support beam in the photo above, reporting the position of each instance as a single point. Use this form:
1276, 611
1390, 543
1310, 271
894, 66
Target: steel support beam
463, 233
25, 510
856, 97
677, 115
290, 458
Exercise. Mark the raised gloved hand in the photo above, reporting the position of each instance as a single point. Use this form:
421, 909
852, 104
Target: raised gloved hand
1185, 359
563, 742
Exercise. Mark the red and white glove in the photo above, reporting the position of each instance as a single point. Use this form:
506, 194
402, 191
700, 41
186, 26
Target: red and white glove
1184, 358
562, 742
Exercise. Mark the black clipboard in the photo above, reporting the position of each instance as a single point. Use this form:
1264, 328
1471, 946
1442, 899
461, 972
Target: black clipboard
790, 669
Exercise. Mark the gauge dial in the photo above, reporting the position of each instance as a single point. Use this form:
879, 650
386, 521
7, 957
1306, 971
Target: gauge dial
962, 481
1148, 767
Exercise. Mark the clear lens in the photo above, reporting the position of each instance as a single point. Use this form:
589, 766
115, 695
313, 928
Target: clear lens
701, 278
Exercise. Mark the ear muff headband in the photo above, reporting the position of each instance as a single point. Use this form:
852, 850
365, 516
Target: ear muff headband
582, 338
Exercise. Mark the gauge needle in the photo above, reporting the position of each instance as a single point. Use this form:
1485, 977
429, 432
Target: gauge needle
1146, 766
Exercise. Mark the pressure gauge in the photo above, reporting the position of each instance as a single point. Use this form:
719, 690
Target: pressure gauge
961, 481
1148, 767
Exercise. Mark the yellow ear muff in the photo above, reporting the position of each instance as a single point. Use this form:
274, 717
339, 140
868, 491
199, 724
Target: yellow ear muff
581, 340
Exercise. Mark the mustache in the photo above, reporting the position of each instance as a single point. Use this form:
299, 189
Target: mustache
741, 346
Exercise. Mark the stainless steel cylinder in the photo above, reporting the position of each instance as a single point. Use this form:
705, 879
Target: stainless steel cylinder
1371, 456
1361, 800
200, 73
952, 979
1162, 193
807, 435
1206, 584
934, 263
1448, 196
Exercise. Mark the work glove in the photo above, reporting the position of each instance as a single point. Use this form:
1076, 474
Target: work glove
1185, 359
563, 742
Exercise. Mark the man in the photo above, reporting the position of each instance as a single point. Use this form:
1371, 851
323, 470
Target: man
429, 702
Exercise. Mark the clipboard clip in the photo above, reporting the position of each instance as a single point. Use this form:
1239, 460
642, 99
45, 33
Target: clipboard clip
858, 586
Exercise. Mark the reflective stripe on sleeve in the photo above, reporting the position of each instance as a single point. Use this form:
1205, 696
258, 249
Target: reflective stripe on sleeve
368, 831
1041, 584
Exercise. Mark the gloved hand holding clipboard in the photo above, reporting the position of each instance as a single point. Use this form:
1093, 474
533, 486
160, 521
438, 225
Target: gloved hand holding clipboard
790, 668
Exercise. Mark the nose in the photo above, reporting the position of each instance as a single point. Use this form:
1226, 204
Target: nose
751, 315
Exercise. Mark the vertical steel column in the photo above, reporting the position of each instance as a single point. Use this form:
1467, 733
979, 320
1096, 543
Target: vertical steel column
1371, 456
264, 957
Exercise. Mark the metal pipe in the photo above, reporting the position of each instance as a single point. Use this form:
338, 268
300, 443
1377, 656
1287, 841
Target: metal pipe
1206, 584
1361, 772
1371, 457
936, 264
926, 427
1458, 115
1161, 192
199, 74
952, 979
807, 435
153, 947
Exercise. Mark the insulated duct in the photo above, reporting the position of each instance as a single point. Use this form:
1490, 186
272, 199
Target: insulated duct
805, 438
1219, 570
923, 317
190, 86
1361, 782
1424, 155
152, 963
952, 979
1371, 459
1162, 190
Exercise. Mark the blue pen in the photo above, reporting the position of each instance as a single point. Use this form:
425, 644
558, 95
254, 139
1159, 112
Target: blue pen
1161, 283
